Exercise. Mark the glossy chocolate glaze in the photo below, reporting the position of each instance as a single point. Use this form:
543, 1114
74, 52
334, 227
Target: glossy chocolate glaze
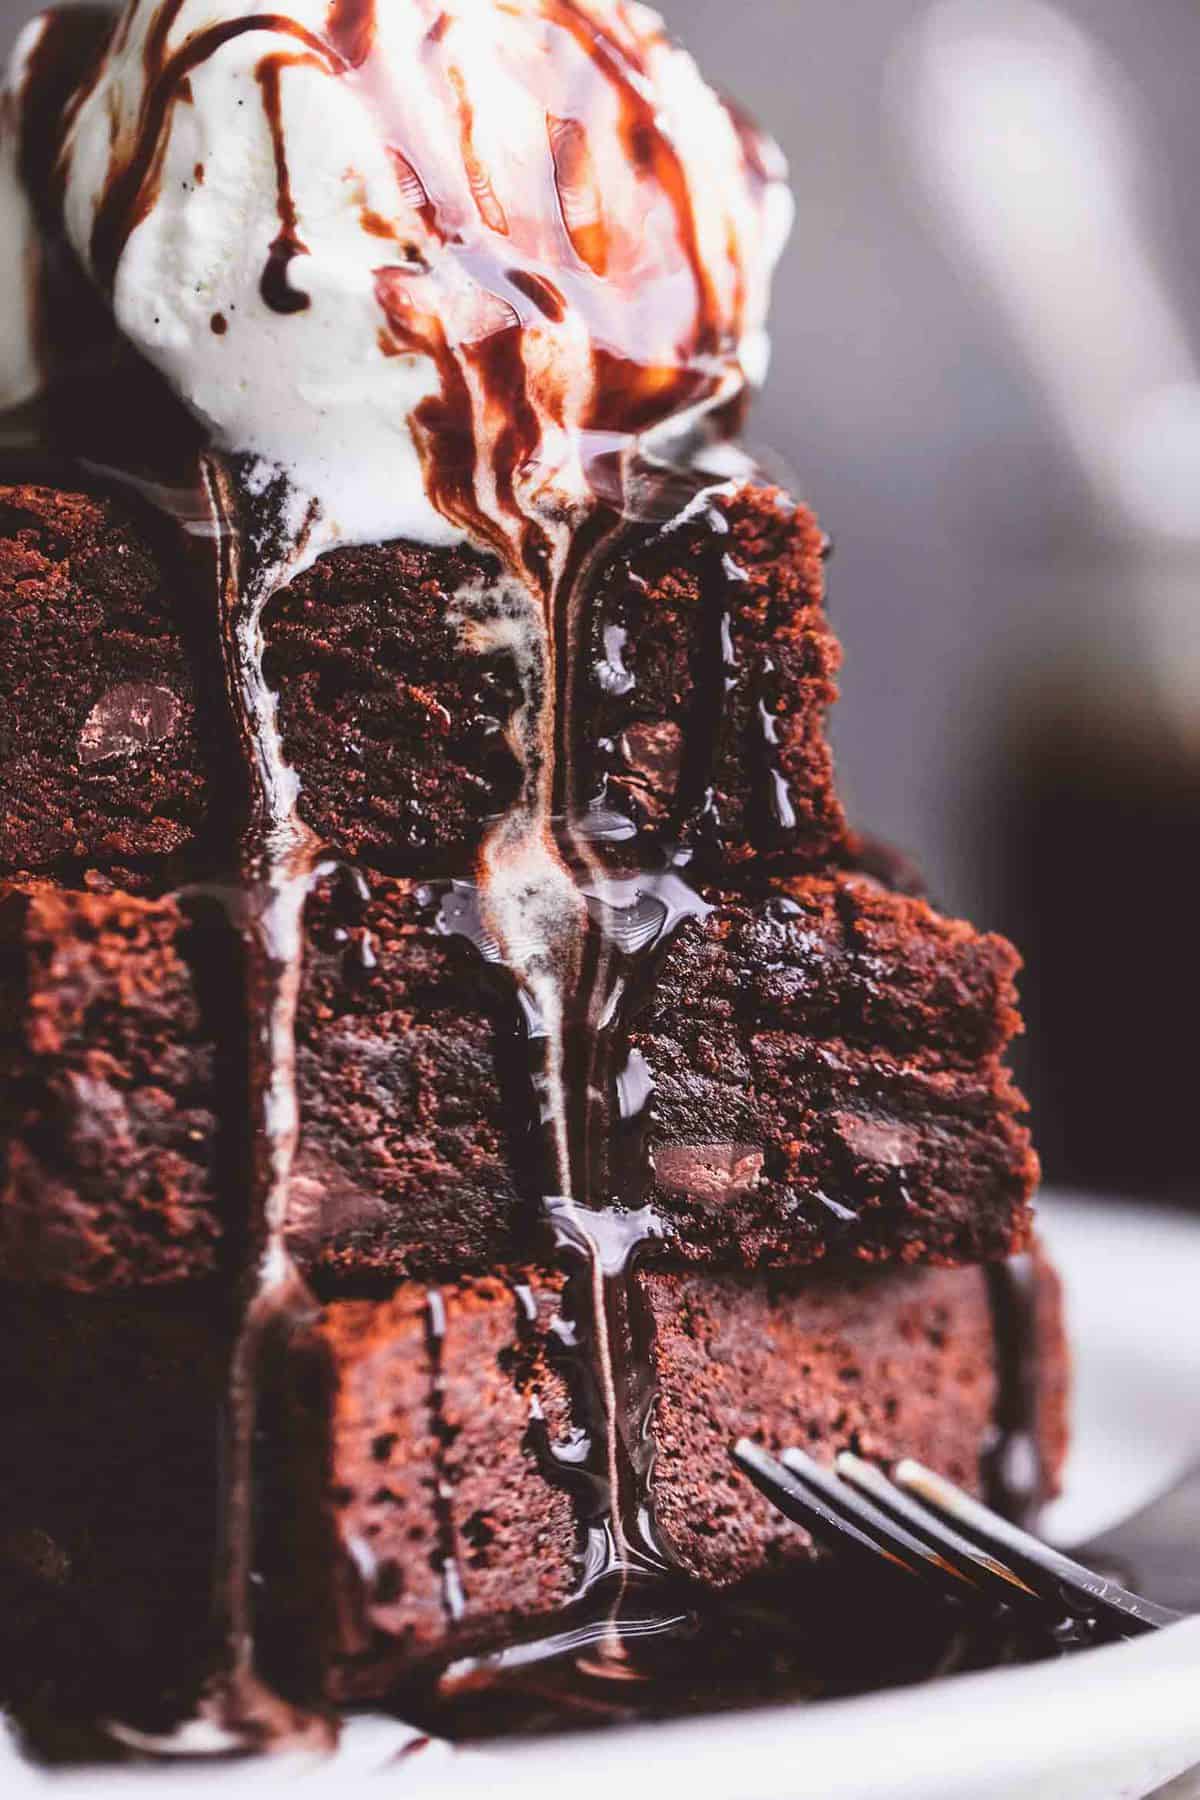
1012, 1467
580, 946
132, 185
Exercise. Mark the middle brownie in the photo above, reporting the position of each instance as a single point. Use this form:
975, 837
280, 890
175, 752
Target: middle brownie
819, 1072
815, 1072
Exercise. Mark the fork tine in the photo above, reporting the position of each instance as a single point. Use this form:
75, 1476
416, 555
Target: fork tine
871, 1481
838, 1517
860, 1510
797, 1502
1036, 1562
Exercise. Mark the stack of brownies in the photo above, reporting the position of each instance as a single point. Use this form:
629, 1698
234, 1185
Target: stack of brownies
482, 1418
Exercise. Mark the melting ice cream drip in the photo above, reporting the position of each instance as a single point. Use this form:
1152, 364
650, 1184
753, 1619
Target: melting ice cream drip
264, 537
576, 942
621, 1541
632, 919
531, 900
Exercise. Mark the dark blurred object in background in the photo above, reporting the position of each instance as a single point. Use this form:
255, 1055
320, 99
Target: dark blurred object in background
1100, 828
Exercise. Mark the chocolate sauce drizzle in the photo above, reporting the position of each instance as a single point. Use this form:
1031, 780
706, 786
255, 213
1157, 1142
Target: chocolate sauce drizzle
581, 947
1014, 1478
133, 182
276, 287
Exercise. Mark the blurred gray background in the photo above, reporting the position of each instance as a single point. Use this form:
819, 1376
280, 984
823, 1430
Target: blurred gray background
985, 329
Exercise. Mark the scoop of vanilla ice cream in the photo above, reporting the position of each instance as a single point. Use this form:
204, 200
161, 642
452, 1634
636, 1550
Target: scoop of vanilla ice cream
360, 241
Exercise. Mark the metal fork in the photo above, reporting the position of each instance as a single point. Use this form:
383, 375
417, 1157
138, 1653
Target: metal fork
917, 1526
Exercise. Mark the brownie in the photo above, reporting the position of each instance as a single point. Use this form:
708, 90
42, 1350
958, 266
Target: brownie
418, 1139
823, 1075
902, 1363
702, 695
102, 754
394, 723
109, 1523
397, 695
804, 1077
436, 1506
819, 1074
822, 1070
450, 1531
108, 1089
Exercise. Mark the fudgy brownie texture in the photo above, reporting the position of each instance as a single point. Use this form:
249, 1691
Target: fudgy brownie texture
109, 1518
436, 1507
698, 717
822, 1067
825, 1077
108, 1096
393, 720
448, 1535
101, 753
892, 1364
700, 714
418, 1134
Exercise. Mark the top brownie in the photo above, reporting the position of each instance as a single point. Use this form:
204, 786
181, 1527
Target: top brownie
698, 718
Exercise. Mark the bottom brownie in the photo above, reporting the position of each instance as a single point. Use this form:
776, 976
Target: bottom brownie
455, 1452
431, 1470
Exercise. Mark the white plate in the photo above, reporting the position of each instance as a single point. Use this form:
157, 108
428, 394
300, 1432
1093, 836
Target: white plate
1108, 1725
